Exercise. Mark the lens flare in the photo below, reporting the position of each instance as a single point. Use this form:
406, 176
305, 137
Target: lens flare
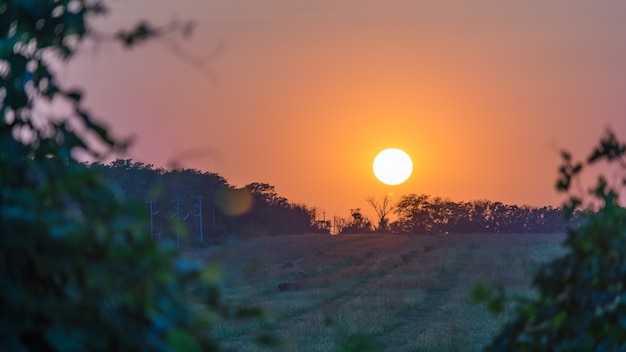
233, 201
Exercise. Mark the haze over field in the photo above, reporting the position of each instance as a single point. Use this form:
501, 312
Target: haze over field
400, 293
481, 94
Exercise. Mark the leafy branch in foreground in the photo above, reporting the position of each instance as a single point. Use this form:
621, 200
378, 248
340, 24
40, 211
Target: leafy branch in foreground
581, 302
78, 270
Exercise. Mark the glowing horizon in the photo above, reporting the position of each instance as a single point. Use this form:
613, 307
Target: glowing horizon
482, 96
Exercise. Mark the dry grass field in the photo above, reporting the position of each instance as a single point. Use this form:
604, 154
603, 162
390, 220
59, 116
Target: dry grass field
394, 292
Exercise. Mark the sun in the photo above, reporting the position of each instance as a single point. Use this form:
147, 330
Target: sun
392, 166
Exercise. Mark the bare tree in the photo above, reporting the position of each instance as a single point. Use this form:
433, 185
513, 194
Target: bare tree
382, 207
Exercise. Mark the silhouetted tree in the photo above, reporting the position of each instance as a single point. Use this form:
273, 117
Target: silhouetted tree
266, 193
413, 214
382, 207
359, 223
272, 214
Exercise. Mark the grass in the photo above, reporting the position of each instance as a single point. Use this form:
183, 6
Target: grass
397, 292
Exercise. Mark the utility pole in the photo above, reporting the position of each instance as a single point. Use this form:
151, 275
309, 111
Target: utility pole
232, 217
151, 223
200, 218
152, 213
177, 222
213, 215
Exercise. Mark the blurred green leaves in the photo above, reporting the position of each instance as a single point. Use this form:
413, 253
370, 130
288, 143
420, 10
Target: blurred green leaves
78, 269
493, 297
581, 302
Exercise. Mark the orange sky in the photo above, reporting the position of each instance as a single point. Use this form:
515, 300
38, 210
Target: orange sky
482, 94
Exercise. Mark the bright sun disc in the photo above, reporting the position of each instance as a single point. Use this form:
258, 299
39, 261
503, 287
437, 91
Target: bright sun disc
392, 166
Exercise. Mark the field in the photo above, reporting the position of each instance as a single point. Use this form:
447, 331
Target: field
389, 292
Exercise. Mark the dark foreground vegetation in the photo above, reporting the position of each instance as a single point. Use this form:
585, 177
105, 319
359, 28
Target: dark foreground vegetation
78, 270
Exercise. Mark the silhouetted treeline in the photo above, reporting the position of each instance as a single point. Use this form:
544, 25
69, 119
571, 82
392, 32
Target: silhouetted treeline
211, 210
206, 205
423, 214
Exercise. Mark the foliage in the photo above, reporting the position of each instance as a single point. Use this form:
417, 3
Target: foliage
272, 214
581, 303
358, 224
199, 200
423, 214
77, 268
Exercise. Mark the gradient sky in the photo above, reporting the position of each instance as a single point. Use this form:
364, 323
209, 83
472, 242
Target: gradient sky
481, 94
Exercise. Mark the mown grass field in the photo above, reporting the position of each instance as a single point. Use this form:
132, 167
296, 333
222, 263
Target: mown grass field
395, 292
